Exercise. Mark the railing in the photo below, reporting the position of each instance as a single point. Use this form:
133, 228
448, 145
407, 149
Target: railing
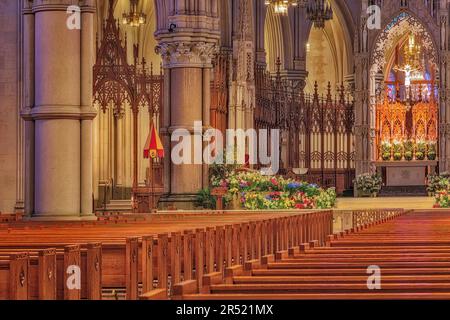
348, 219
187, 262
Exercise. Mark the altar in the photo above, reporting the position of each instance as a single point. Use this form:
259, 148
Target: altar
407, 118
405, 173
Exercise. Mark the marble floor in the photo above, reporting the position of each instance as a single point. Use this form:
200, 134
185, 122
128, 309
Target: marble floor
388, 202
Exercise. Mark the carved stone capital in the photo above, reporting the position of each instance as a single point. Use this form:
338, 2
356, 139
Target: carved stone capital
187, 54
59, 5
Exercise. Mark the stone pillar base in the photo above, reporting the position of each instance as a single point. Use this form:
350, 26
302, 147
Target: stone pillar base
48, 218
177, 201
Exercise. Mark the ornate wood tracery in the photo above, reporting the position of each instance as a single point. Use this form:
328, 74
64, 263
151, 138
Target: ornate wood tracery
219, 92
119, 84
319, 129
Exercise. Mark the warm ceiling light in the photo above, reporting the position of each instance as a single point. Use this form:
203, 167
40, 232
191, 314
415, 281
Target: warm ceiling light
282, 6
134, 18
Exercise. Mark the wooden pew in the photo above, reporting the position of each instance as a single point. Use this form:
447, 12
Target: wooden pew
14, 275
48, 271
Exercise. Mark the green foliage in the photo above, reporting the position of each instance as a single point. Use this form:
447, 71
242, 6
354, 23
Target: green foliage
205, 200
409, 146
397, 147
438, 183
220, 172
420, 155
386, 156
432, 155
368, 183
397, 156
326, 199
421, 147
408, 155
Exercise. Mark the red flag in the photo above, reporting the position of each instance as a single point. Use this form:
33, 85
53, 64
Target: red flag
153, 146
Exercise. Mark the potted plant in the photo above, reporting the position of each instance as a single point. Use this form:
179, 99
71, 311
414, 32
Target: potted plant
368, 185
409, 150
438, 183
398, 151
431, 154
421, 149
386, 149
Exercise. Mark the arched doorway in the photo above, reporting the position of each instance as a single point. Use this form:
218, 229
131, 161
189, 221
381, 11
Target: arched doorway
404, 101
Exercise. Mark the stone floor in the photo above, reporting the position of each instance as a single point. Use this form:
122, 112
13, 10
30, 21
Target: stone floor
391, 202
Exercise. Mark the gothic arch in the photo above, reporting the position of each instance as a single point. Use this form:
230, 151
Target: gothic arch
278, 40
226, 23
330, 57
401, 24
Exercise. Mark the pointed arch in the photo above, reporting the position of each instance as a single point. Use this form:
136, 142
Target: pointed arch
330, 57
278, 40
401, 24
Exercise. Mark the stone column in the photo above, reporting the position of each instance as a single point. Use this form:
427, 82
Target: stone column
62, 112
364, 133
444, 92
119, 174
187, 54
28, 88
88, 112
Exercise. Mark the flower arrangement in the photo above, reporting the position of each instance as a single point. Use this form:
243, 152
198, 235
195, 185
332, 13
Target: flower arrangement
397, 148
368, 184
258, 192
409, 150
421, 150
442, 199
438, 183
386, 148
219, 173
432, 150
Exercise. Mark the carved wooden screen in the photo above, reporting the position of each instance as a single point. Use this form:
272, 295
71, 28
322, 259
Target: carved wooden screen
219, 92
118, 83
319, 130
328, 140
392, 122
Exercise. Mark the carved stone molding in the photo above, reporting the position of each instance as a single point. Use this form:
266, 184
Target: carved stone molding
401, 24
362, 131
444, 129
61, 5
187, 54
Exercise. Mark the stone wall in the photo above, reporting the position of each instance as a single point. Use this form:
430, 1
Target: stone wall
9, 81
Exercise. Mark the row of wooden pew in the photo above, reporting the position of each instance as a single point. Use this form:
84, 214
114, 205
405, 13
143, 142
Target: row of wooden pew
403, 258
162, 256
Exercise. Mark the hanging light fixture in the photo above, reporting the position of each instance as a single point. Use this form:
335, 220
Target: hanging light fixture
134, 18
282, 6
318, 12
412, 61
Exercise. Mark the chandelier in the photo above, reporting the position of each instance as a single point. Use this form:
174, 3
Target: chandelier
412, 61
134, 18
319, 11
282, 6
